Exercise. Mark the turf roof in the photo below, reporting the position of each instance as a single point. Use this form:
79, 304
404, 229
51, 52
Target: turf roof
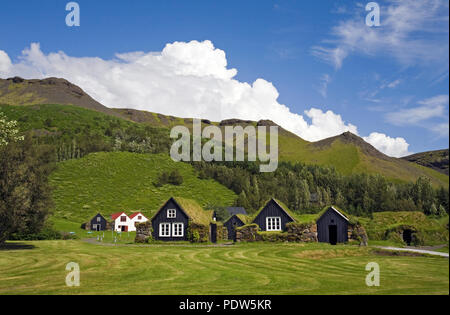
194, 211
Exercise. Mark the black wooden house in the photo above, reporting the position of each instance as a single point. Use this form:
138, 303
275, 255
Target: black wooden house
332, 227
173, 219
234, 222
98, 223
273, 217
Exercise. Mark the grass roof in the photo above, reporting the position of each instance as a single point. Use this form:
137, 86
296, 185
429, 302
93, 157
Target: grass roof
195, 212
292, 214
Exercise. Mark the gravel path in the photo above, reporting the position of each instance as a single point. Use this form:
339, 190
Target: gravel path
414, 250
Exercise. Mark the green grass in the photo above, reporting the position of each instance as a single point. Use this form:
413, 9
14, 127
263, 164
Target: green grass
204, 270
433, 231
122, 181
65, 119
347, 158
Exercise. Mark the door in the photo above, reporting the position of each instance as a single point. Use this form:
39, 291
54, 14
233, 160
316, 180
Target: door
407, 237
98, 227
213, 233
332, 234
233, 232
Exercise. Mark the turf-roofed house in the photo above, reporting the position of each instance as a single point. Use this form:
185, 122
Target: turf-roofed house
181, 219
97, 223
276, 222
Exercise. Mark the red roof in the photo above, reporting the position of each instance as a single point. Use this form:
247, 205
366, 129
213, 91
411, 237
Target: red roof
116, 215
135, 214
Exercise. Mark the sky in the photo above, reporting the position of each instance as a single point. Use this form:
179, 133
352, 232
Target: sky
314, 67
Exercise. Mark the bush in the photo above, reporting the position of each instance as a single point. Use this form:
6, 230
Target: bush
173, 178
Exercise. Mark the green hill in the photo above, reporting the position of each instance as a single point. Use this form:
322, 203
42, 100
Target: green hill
437, 160
121, 181
386, 226
347, 153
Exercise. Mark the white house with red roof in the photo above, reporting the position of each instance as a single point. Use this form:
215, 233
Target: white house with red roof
121, 222
137, 217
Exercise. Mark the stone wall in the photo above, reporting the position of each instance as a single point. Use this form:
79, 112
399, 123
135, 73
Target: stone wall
248, 233
357, 232
302, 232
296, 232
143, 232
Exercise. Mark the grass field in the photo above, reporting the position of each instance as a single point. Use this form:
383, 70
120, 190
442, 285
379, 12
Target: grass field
122, 181
39, 268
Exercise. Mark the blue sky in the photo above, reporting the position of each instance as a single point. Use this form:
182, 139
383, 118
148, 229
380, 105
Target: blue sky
389, 83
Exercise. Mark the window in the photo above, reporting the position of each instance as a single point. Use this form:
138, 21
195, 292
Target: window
98, 219
273, 224
171, 213
139, 217
164, 229
178, 230
123, 219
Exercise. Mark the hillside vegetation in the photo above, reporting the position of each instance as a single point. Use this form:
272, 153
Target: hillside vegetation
122, 181
437, 160
429, 230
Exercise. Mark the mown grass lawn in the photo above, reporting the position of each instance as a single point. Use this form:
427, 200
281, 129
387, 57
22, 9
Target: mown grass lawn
237, 269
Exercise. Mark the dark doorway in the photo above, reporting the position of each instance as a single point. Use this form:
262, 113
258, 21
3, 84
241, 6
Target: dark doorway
98, 227
213, 233
407, 237
233, 233
332, 233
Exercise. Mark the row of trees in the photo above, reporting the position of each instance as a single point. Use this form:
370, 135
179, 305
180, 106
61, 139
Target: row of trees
308, 188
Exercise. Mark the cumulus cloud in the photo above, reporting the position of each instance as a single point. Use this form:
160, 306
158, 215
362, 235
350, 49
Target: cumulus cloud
5, 62
185, 79
396, 147
413, 32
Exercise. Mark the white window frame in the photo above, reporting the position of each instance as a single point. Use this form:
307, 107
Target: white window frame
162, 231
99, 219
274, 225
171, 213
175, 230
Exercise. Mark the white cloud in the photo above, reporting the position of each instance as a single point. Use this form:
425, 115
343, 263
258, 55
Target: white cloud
413, 32
323, 87
396, 147
430, 108
184, 80
5, 62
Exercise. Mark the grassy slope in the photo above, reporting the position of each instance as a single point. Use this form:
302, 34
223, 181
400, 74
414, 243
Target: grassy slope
112, 182
434, 230
63, 118
346, 158
239, 269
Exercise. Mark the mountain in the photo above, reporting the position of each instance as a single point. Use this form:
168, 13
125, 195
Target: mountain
437, 160
348, 153
18, 91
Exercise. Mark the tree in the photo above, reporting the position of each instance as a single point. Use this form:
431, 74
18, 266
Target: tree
25, 194
8, 131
